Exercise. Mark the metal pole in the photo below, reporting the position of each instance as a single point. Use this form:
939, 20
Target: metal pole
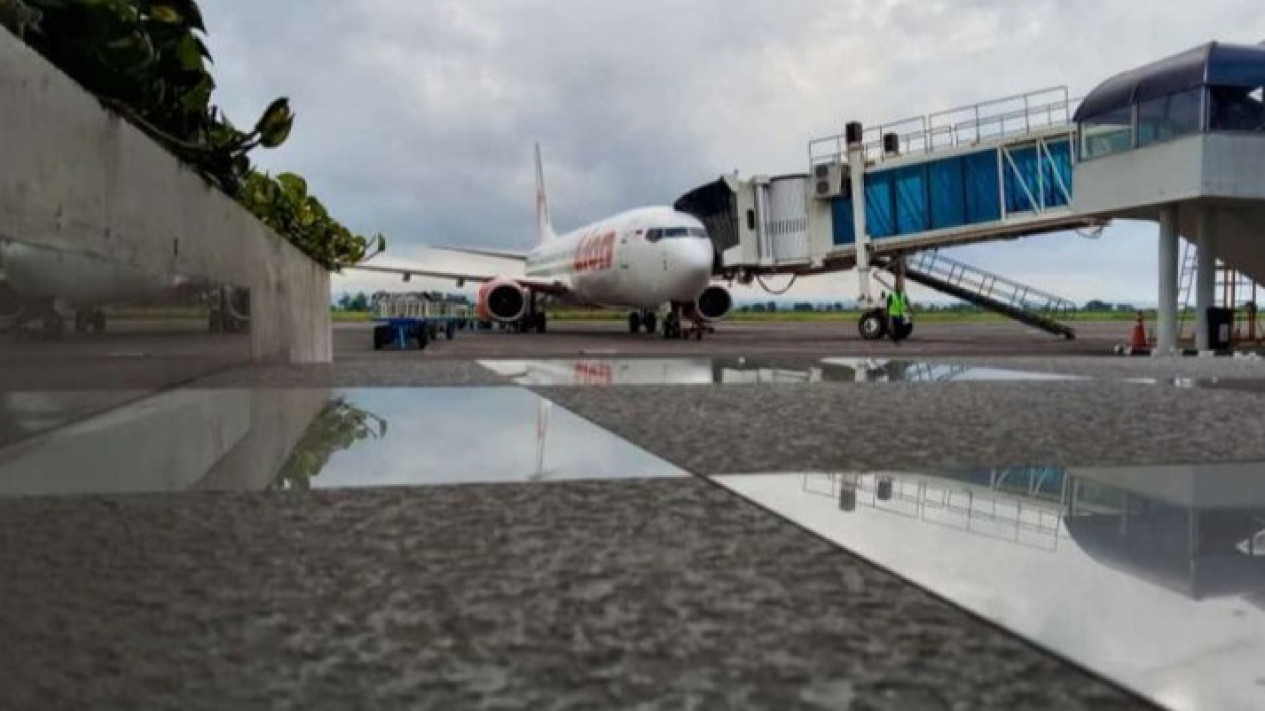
1205, 276
856, 173
1166, 328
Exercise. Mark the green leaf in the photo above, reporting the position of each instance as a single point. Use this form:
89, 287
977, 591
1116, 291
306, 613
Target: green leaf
275, 124
165, 14
189, 54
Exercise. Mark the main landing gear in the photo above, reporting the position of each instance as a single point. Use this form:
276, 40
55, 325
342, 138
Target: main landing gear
639, 320
675, 326
533, 320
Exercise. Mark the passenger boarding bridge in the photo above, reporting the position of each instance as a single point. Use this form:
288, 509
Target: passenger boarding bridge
1180, 141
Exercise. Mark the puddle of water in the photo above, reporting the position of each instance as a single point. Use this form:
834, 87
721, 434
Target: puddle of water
706, 371
255, 439
1153, 576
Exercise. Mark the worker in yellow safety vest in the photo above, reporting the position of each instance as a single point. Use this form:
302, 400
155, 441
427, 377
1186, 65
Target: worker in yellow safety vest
897, 311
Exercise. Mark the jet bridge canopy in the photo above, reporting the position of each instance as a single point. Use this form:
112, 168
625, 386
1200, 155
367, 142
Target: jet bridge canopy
716, 206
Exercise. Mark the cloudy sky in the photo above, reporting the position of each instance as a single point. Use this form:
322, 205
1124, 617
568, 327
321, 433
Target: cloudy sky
416, 118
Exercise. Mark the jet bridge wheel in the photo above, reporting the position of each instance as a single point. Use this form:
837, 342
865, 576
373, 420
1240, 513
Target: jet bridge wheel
634, 322
873, 325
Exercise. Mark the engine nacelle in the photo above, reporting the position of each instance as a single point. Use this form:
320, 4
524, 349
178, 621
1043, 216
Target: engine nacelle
501, 300
712, 305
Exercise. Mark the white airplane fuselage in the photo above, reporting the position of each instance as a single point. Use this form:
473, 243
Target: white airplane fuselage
639, 259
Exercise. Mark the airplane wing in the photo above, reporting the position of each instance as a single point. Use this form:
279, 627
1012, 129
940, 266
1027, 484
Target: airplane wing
498, 253
537, 285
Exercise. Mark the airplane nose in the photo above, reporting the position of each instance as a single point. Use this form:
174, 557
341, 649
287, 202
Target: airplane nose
691, 261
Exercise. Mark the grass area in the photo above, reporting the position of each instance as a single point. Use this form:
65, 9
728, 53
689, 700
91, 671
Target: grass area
352, 316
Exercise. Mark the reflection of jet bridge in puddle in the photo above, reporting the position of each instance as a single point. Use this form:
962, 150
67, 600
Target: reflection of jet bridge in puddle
984, 509
1197, 530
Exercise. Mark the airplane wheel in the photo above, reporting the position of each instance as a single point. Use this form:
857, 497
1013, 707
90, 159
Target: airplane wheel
650, 323
54, 326
98, 323
872, 325
634, 322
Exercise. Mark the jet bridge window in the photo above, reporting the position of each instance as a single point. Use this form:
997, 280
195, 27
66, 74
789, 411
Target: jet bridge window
1238, 108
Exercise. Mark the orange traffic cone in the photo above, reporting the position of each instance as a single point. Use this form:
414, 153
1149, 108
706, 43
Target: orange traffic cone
1138, 341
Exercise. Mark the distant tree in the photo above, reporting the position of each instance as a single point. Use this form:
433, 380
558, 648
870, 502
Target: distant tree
759, 308
359, 303
802, 307
838, 306
344, 303
772, 307
1096, 305
1126, 307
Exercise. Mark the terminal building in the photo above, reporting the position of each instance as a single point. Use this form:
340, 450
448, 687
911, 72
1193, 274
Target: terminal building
1180, 142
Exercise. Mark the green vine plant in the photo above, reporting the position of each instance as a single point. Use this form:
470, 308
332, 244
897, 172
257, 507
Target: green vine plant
338, 427
144, 60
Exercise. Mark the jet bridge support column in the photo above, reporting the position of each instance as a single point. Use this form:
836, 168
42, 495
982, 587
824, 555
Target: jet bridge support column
1205, 275
1166, 328
856, 174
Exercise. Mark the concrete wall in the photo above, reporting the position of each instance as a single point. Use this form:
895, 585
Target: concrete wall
77, 179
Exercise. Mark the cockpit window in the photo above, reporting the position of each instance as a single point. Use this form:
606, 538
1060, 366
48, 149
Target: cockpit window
658, 233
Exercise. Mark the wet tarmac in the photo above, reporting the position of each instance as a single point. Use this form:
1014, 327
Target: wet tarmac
546, 517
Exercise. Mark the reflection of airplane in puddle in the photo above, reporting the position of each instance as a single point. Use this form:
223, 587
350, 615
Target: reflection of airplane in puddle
1196, 530
54, 287
696, 371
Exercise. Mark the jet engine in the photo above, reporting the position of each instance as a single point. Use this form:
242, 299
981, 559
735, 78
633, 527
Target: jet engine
502, 300
713, 304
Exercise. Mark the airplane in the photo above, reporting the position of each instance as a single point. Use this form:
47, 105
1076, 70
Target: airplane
639, 260
40, 283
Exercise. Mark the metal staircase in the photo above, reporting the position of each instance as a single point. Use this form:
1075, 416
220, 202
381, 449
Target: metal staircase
1186, 288
986, 290
1232, 290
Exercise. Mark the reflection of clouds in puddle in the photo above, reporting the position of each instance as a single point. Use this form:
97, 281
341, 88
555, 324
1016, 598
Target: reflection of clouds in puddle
462, 435
1119, 617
